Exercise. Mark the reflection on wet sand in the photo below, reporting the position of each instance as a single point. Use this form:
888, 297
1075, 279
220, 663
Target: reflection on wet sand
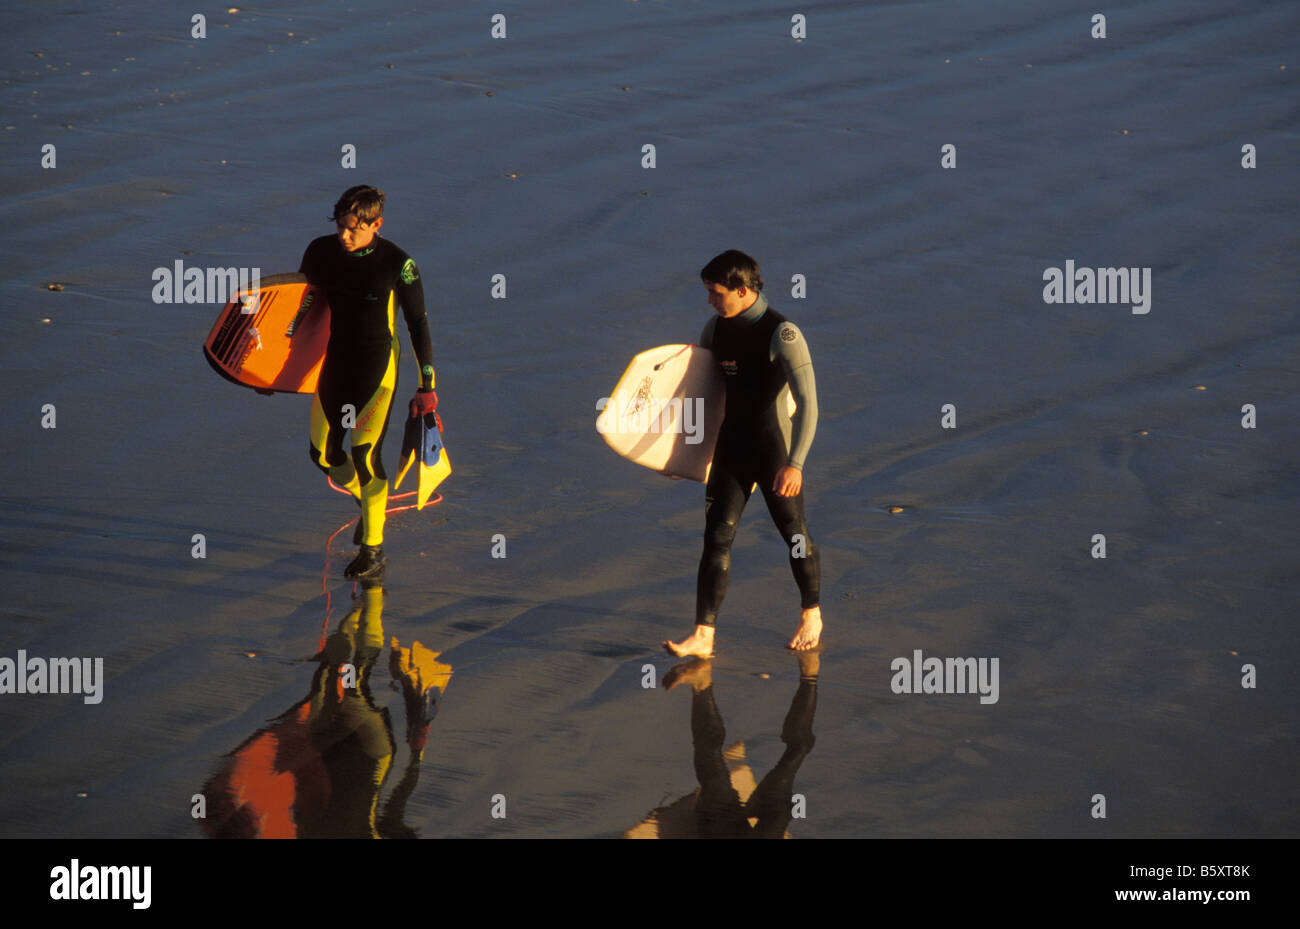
318, 769
728, 803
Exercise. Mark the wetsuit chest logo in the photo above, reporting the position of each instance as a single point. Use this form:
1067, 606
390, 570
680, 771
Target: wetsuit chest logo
729, 368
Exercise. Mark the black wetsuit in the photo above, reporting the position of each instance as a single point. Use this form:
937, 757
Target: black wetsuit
360, 368
763, 358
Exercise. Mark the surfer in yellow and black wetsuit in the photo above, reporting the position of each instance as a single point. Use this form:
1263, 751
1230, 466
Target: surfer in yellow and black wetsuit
364, 278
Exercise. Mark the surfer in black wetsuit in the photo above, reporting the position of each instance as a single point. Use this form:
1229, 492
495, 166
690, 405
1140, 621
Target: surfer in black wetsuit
764, 360
364, 278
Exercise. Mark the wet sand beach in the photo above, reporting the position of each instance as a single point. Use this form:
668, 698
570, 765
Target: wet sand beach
820, 157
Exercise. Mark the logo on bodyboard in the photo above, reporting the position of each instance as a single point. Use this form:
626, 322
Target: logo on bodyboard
641, 399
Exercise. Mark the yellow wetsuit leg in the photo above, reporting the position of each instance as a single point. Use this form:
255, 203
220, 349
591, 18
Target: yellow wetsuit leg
327, 450
367, 446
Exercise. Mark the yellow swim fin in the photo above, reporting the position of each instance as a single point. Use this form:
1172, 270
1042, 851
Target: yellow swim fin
422, 446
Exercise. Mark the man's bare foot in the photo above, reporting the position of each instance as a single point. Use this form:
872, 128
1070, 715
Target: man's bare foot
698, 672
809, 633
699, 644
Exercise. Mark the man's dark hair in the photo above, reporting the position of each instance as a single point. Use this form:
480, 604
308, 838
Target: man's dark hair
366, 202
733, 269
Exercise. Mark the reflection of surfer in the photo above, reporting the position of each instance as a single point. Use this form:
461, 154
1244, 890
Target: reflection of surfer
762, 355
729, 804
317, 771
364, 277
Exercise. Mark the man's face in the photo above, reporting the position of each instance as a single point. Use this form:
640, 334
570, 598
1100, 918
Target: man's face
354, 234
727, 303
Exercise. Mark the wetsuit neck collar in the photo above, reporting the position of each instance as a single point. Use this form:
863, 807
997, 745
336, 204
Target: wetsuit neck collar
361, 252
752, 314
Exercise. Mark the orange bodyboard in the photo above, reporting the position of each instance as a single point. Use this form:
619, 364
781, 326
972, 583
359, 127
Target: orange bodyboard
272, 337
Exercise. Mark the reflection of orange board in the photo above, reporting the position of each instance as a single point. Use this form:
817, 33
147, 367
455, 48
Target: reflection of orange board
272, 337
666, 410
